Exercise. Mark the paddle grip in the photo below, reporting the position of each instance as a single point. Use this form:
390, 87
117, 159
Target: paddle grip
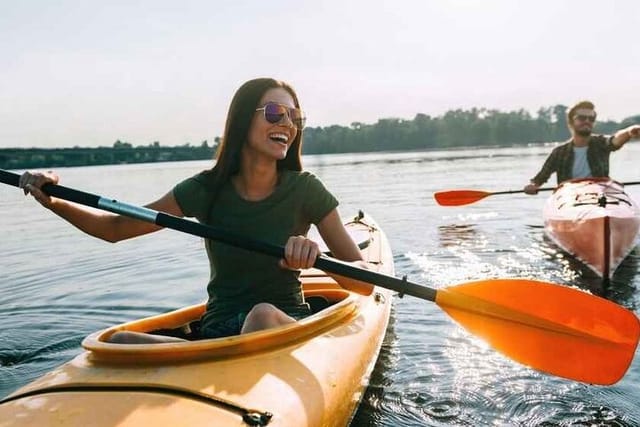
55, 190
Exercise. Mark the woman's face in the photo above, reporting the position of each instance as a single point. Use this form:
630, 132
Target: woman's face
272, 139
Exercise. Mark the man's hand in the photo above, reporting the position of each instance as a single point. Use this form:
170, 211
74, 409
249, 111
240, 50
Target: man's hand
633, 131
531, 188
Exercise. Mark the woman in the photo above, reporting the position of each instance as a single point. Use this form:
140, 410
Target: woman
257, 187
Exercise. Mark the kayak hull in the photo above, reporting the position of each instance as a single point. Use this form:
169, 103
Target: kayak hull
595, 221
311, 373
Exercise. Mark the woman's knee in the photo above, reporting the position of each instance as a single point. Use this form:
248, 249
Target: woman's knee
265, 316
262, 311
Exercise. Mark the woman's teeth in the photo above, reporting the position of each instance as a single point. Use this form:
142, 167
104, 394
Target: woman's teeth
280, 137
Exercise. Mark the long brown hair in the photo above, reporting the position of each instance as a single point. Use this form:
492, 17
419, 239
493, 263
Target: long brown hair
241, 111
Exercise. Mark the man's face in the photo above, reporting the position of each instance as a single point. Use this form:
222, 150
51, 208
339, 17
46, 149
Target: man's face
583, 120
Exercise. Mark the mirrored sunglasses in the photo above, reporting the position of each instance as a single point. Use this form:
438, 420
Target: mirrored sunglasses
274, 113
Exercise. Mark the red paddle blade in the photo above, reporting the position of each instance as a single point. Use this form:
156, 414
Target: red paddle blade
459, 197
551, 328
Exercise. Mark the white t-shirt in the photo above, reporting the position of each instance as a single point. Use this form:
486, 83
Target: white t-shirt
581, 167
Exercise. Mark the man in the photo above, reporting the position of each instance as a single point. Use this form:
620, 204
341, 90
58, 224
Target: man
584, 155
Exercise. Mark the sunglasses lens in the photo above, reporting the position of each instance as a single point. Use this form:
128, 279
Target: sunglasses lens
584, 118
274, 112
297, 117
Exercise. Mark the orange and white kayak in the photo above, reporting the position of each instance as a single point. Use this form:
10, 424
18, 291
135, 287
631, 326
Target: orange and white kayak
310, 373
594, 220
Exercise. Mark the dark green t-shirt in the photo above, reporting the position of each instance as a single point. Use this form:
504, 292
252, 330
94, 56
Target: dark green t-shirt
239, 278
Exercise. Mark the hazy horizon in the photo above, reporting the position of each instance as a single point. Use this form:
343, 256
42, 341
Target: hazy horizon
90, 73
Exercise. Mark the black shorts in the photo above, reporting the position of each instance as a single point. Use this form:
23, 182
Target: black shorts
233, 325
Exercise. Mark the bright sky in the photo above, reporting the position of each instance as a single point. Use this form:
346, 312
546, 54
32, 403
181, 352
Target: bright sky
88, 73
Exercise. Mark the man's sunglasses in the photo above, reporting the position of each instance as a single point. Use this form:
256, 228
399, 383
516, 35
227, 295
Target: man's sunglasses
274, 113
585, 117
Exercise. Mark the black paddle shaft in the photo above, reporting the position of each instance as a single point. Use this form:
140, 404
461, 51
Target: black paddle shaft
551, 188
332, 265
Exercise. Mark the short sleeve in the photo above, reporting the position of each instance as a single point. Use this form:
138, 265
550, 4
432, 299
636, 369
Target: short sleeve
608, 142
318, 200
193, 197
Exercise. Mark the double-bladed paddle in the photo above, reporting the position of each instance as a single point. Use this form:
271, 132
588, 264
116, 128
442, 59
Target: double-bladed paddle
554, 329
466, 197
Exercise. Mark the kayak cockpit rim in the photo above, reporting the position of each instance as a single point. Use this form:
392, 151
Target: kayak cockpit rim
345, 306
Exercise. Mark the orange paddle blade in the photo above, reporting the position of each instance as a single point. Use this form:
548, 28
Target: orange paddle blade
551, 328
459, 197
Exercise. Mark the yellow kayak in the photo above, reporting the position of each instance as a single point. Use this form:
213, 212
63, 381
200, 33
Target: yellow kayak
311, 373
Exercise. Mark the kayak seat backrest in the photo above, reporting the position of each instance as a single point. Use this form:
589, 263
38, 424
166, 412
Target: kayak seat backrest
317, 303
319, 299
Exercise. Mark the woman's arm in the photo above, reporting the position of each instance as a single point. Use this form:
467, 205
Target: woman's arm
343, 247
337, 238
103, 225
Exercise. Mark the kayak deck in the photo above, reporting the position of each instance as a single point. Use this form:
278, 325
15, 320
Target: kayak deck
595, 221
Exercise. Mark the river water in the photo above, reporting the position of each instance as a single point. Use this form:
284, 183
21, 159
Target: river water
57, 285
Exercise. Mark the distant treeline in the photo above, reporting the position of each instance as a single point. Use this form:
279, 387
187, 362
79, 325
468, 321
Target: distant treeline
456, 128
120, 153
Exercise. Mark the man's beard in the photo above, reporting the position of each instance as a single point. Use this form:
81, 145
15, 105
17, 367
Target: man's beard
583, 132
